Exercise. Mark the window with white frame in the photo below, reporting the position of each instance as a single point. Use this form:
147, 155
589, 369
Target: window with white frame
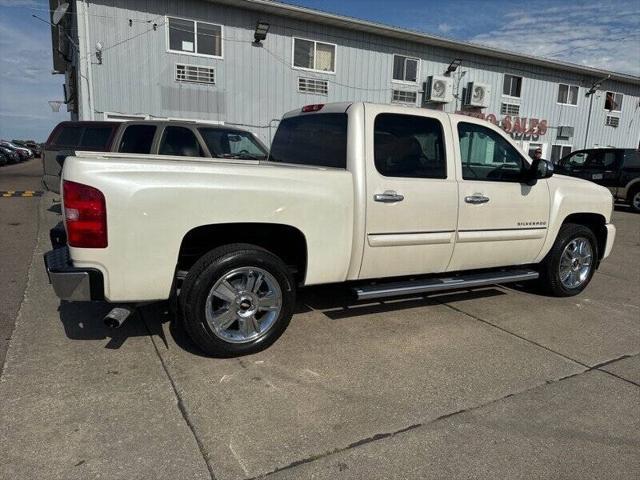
509, 109
512, 86
567, 94
559, 151
613, 102
405, 69
407, 97
195, 38
312, 55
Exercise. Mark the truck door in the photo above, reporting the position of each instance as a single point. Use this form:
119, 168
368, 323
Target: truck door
607, 170
502, 220
411, 192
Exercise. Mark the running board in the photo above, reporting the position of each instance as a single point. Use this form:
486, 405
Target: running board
440, 284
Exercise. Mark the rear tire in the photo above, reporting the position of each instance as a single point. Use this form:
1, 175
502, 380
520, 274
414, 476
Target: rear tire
570, 264
236, 300
634, 199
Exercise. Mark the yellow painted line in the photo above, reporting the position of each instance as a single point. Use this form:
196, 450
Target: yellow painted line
20, 193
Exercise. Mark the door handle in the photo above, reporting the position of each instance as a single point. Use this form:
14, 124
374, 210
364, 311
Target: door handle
476, 199
389, 196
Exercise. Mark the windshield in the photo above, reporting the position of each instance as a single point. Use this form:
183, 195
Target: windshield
224, 143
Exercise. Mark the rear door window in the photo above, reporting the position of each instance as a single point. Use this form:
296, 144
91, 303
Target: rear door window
409, 146
137, 139
180, 141
318, 139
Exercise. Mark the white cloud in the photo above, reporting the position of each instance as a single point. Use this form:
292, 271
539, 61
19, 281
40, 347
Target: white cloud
598, 35
444, 27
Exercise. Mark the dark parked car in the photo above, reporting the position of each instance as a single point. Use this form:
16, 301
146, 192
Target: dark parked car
31, 145
618, 169
146, 137
3, 159
11, 155
23, 153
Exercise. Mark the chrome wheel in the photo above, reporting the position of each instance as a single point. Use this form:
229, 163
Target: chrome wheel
635, 201
243, 305
576, 263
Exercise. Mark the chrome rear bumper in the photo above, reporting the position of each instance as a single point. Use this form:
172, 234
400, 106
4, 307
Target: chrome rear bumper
70, 283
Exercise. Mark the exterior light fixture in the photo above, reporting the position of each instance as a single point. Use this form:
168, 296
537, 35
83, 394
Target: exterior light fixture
453, 66
261, 32
99, 52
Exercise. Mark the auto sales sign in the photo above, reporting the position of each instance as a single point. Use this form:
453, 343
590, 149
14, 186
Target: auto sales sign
516, 125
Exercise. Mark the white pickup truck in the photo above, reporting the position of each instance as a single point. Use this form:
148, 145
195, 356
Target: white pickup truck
415, 199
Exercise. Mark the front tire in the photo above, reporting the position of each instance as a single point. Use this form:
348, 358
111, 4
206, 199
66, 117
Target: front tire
236, 300
570, 264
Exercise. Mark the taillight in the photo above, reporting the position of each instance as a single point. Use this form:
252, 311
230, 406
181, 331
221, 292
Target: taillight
312, 108
85, 214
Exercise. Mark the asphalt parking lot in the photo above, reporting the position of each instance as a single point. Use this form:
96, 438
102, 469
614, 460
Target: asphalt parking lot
498, 382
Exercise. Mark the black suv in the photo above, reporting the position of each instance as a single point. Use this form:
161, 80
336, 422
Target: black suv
618, 169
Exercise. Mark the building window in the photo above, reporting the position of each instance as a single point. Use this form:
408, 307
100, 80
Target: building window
512, 86
194, 38
559, 151
613, 102
312, 85
195, 74
567, 94
312, 55
612, 121
509, 109
404, 96
405, 69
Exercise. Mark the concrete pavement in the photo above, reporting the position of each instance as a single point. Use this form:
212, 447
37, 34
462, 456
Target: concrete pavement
495, 383
18, 233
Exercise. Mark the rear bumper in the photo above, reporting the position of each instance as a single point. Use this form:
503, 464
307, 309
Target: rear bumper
70, 283
611, 236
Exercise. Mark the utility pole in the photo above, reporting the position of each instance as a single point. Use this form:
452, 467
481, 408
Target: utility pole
590, 94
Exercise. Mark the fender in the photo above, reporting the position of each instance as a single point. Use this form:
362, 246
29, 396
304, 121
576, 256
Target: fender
572, 196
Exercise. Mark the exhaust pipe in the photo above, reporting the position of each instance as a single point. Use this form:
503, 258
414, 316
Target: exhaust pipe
117, 316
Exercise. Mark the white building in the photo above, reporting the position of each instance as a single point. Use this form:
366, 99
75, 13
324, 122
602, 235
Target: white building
197, 59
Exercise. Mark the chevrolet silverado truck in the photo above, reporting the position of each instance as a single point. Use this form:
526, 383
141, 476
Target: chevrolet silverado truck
391, 200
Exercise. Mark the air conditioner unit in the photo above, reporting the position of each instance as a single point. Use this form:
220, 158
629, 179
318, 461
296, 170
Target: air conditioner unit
565, 132
478, 94
439, 89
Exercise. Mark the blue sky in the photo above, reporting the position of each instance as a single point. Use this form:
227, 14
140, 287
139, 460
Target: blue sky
604, 34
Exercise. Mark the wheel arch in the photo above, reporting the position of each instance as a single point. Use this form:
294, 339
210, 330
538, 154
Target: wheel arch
631, 187
596, 222
285, 241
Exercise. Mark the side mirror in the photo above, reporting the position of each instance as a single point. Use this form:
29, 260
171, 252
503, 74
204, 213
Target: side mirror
539, 169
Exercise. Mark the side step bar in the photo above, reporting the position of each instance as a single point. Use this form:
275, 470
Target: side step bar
440, 284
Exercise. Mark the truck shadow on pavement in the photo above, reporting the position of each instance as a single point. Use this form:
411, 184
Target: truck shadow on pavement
84, 321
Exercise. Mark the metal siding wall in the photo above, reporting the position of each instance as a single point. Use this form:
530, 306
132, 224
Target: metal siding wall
256, 85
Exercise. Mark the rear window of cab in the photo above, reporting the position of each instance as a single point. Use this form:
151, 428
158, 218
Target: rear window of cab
318, 140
